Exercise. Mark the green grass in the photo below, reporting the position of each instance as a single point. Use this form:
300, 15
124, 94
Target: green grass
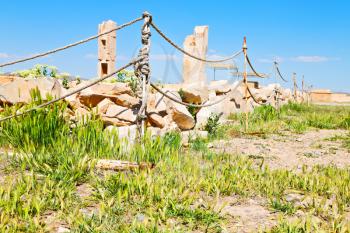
294, 117
48, 165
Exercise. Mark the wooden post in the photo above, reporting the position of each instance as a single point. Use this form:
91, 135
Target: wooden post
245, 82
295, 87
302, 89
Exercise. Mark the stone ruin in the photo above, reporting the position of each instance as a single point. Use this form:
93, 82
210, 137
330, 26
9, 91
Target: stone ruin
106, 49
196, 44
117, 104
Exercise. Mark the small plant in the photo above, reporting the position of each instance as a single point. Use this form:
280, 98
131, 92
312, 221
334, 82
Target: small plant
213, 124
78, 79
65, 82
193, 110
282, 206
181, 93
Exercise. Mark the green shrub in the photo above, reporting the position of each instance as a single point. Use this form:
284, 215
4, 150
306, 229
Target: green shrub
213, 124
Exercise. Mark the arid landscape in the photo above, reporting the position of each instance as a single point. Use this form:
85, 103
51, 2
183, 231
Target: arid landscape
175, 116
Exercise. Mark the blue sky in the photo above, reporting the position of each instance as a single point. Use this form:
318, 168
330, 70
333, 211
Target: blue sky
310, 37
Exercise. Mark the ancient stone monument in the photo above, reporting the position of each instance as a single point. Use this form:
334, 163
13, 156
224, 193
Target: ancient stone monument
196, 44
106, 48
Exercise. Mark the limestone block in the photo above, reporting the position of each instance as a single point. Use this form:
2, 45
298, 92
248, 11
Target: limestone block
126, 100
107, 121
156, 119
103, 106
122, 113
194, 94
179, 113
19, 89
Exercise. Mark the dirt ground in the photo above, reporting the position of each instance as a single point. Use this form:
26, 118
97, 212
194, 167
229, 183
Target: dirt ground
286, 150
289, 150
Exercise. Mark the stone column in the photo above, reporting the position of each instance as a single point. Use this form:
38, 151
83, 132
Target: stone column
196, 44
106, 49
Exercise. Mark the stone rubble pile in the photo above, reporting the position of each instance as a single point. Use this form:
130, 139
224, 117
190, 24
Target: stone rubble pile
117, 104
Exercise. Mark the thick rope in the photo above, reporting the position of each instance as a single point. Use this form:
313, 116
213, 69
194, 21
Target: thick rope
278, 72
187, 53
252, 68
195, 105
71, 93
142, 70
253, 97
70, 45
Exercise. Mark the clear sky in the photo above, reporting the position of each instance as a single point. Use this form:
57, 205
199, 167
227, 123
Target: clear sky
310, 37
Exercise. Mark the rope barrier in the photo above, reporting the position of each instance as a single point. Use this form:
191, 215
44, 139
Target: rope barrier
71, 93
195, 105
71, 45
278, 72
253, 97
252, 68
187, 53
142, 70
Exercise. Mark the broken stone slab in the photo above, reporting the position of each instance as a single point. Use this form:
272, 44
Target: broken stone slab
117, 88
112, 121
156, 120
179, 113
90, 99
122, 113
126, 100
19, 89
103, 106
194, 94
156, 103
119, 93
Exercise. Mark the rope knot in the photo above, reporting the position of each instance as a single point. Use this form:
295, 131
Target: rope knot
147, 16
